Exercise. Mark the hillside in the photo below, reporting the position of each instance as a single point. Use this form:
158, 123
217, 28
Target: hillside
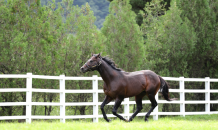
99, 7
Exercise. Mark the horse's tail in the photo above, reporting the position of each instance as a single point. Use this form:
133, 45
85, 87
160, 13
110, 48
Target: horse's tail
164, 88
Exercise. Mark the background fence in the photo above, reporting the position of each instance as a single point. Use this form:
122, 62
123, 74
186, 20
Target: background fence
96, 103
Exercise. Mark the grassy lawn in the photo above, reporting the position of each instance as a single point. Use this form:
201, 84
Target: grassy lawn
205, 122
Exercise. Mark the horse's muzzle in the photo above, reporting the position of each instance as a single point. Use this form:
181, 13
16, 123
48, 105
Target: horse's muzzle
83, 69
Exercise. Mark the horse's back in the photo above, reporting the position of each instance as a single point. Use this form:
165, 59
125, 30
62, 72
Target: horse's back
139, 81
144, 74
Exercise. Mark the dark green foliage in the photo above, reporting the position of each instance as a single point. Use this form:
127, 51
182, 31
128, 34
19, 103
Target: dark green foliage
185, 32
169, 41
139, 5
183, 42
203, 16
50, 40
124, 39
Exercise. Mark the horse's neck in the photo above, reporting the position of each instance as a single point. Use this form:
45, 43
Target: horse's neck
107, 72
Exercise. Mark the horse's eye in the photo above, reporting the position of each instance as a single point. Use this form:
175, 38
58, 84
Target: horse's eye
91, 61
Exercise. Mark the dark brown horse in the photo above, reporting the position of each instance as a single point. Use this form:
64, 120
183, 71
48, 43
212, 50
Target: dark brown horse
119, 85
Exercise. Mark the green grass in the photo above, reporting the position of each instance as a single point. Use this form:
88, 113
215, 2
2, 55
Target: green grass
203, 122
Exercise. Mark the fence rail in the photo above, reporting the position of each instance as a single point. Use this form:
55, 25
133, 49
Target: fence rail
96, 103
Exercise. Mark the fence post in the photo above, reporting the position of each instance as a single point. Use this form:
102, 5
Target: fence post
126, 108
95, 98
182, 96
155, 116
62, 98
28, 97
207, 95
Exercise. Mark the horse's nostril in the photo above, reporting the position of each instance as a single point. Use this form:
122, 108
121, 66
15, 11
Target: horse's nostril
82, 70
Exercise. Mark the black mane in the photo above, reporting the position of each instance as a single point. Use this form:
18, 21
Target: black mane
111, 63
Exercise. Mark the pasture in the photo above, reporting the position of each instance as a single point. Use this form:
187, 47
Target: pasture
196, 122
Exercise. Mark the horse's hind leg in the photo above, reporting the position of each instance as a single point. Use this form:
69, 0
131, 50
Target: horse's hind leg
117, 104
138, 109
153, 105
138, 100
106, 101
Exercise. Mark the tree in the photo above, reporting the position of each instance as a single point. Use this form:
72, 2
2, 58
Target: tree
99, 7
45, 40
84, 40
139, 5
182, 42
170, 41
124, 39
204, 18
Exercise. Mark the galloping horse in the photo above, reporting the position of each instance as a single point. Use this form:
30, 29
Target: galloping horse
119, 85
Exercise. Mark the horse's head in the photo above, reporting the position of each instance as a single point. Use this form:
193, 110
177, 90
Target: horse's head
92, 64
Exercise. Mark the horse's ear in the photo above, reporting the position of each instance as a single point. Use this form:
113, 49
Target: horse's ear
92, 54
99, 55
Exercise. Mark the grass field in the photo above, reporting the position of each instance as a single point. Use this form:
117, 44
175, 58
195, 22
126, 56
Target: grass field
203, 122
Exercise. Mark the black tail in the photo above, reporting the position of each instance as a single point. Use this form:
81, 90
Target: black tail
164, 88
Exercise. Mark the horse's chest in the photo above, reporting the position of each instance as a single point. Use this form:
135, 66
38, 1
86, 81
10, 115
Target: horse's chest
107, 90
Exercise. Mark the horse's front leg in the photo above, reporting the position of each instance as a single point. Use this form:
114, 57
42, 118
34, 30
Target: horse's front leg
117, 104
106, 101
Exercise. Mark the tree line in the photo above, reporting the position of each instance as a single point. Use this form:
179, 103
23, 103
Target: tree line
173, 38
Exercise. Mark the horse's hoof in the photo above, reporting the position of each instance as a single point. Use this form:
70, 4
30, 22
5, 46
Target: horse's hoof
108, 120
130, 120
146, 120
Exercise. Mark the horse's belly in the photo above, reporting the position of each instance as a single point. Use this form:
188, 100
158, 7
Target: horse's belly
135, 87
133, 91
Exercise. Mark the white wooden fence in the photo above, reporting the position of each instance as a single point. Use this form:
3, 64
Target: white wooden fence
96, 102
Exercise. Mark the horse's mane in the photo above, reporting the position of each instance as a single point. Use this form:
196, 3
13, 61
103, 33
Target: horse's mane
111, 63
